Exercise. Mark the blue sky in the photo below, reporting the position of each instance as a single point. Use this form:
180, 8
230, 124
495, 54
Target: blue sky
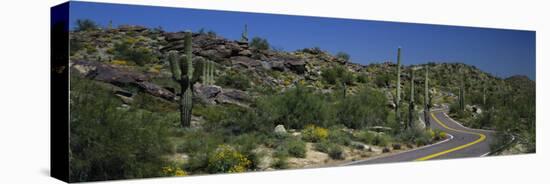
497, 51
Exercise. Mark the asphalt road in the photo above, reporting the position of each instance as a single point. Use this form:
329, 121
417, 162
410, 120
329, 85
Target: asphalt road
465, 142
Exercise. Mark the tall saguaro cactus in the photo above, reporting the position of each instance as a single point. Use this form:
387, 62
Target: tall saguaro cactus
411, 101
426, 99
244, 35
398, 87
183, 72
461, 92
208, 73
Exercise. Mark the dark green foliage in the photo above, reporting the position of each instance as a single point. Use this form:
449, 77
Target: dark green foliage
366, 108
415, 136
333, 150
337, 74
128, 51
382, 80
296, 148
259, 43
232, 119
362, 77
343, 56
338, 136
295, 108
234, 79
85, 25
109, 142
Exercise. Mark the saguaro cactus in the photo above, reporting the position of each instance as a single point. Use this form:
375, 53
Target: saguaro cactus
244, 35
183, 72
426, 99
411, 101
398, 87
484, 94
208, 73
461, 92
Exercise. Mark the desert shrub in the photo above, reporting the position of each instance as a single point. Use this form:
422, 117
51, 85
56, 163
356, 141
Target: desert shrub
280, 162
338, 136
85, 25
173, 171
295, 108
259, 43
108, 142
343, 56
366, 136
333, 150
226, 159
234, 79
366, 108
128, 50
232, 119
362, 77
415, 136
381, 139
336, 152
296, 148
382, 80
314, 133
337, 74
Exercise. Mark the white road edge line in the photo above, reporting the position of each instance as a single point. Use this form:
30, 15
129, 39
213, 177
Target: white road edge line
422, 147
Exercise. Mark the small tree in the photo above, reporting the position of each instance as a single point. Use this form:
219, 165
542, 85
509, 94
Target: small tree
343, 56
85, 25
259, 43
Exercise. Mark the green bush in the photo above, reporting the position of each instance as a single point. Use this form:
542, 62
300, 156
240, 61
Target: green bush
234, 79
336, 152
295, 108
322, 146
107, 142
362, 77
127, 50
338, 136
415, 136
280, 162
226, 159
85, 25
366, 136
337, 74
333, 150
343, 56
296, 148
259, 43
313, 133
381, 140
366, 108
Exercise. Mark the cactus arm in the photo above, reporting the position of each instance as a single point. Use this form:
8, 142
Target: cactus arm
173, 59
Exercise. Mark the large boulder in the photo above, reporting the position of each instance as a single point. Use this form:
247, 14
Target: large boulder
296, 65
207, 93
245, 62
119, 77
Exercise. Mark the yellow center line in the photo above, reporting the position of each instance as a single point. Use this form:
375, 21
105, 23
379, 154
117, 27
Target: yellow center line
481, 138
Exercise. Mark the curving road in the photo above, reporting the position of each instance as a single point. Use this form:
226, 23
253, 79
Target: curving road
463, 142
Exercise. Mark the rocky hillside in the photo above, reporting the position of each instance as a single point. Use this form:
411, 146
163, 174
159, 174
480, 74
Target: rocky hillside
135, 56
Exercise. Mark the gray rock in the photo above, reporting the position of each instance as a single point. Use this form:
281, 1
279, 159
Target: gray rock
280, 130
245, 62
245, 53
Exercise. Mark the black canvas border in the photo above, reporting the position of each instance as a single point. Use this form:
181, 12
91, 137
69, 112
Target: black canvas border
59, 91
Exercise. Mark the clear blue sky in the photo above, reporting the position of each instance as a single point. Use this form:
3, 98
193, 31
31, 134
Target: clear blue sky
497, 51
